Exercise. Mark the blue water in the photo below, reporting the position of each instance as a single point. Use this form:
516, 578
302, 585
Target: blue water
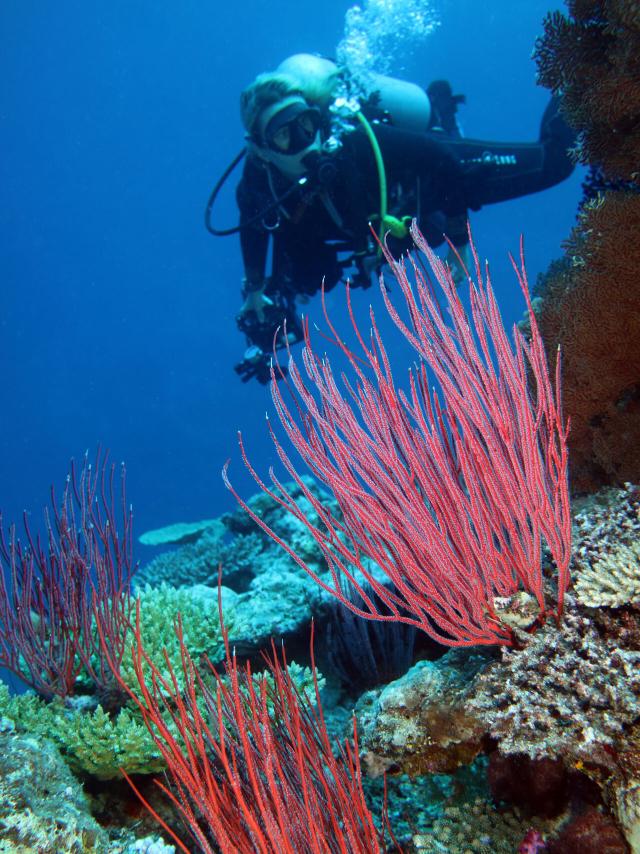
117, 312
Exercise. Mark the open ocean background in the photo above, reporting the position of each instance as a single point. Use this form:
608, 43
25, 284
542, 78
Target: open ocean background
117, 312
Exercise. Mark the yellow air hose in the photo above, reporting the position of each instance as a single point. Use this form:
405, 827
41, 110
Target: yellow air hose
398, 227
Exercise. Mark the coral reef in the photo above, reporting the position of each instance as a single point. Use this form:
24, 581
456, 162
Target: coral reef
270, 595
589, 307
478, 828
607, 550
100, 745
198, 609
419, 724
90, 741
591, 831
150, 845
414, 803
42, 807
591, 57
276, 597
196, 560
559, 716
569, 693
178, 533
250, 762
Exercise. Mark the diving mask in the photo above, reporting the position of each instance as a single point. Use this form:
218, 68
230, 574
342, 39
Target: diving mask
292, 129
288, 132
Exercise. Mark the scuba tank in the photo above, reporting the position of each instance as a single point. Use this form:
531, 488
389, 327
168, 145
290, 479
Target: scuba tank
405, 105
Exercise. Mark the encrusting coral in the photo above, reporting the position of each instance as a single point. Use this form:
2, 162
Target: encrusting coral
574, 691
42, 806
419, 723
569, 693
607, 551
589, 307
565, 705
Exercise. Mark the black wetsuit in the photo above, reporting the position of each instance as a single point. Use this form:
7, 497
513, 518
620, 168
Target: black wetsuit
431, 176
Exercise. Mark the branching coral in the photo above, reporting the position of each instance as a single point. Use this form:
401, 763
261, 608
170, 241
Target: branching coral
198, 610
592, 59
90, 741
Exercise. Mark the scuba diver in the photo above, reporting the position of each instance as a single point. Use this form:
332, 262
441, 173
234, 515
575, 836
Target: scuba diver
323, 166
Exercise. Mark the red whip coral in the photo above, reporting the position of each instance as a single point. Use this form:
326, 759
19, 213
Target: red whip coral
250, 760
450, 493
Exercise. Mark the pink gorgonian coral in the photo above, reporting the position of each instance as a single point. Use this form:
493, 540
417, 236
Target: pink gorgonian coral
450, 492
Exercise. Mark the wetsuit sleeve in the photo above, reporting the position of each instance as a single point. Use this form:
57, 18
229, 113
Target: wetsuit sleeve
254, 238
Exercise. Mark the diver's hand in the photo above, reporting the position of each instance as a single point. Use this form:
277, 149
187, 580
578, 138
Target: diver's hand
255, 363
459, 266
255, 301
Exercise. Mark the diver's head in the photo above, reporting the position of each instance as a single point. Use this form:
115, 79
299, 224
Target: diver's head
317, 77
282, 128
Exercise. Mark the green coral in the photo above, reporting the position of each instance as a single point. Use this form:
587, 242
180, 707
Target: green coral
198, 610
93, 742
90, 741
101, 746
160, 607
